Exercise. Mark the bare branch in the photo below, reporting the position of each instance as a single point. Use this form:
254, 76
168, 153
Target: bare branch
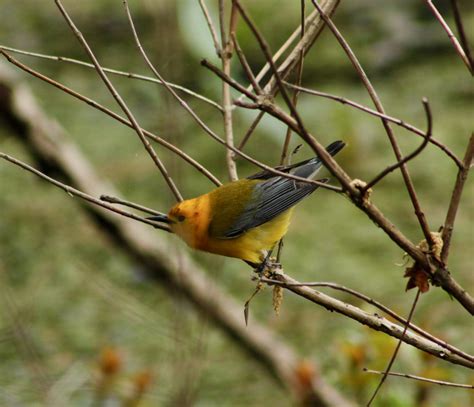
372, 112
313, 28
462, 33
115, 200
245, 65
120, 102
451, 36
442, 277
376, 304
114, 72
422, 379
227, 79
231, 147
373, 321
75, 192
212, 28
114, 115
417, 151
251, 129
455, 199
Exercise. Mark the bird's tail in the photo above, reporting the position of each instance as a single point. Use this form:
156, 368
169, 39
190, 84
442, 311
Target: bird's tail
308, 168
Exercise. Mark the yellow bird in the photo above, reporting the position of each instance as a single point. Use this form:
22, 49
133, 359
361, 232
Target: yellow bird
244, 218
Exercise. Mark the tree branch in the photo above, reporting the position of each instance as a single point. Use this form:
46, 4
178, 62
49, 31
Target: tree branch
462, 33
417, 151
373, 321
451, 36
372, 112
376, 304
114, 72
422, 379
455, 199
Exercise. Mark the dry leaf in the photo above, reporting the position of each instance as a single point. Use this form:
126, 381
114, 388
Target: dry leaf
417, 278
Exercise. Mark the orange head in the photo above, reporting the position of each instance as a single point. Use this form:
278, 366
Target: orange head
189, 220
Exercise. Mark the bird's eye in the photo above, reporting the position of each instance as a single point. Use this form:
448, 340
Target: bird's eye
181, 218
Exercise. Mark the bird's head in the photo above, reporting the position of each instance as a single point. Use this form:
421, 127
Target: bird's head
181, 219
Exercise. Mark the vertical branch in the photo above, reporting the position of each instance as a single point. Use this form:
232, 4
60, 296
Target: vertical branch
226, 56
455, 199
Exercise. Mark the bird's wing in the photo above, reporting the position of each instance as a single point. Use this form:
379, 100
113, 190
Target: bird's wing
303, 169
269, 199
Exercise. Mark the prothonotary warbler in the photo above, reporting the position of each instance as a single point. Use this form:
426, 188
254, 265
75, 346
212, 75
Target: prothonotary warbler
244, 218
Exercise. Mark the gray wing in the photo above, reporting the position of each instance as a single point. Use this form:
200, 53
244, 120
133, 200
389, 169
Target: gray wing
269, 199
304, 169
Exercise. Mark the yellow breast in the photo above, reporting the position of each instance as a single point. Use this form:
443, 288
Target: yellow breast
253, 244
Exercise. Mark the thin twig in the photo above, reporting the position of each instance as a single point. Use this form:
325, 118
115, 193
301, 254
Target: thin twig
212, 28
455, 199
114, 72
462, 34
417, 151
395, 352
115, 200
295, 34
451, 36
376, 304
228, 79
75, 192
251, 129
245, 65
373, 112
378, 104
314, 26
422, 379
120, 102
112, 114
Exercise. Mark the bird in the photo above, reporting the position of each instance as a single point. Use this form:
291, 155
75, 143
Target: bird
246, 218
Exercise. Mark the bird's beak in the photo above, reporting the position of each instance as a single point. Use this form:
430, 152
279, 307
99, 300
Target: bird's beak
161, 218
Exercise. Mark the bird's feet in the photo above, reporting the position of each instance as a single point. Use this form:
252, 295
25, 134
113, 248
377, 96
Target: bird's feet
268, 266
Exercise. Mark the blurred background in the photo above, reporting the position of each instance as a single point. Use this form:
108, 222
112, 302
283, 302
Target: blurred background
71, 303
